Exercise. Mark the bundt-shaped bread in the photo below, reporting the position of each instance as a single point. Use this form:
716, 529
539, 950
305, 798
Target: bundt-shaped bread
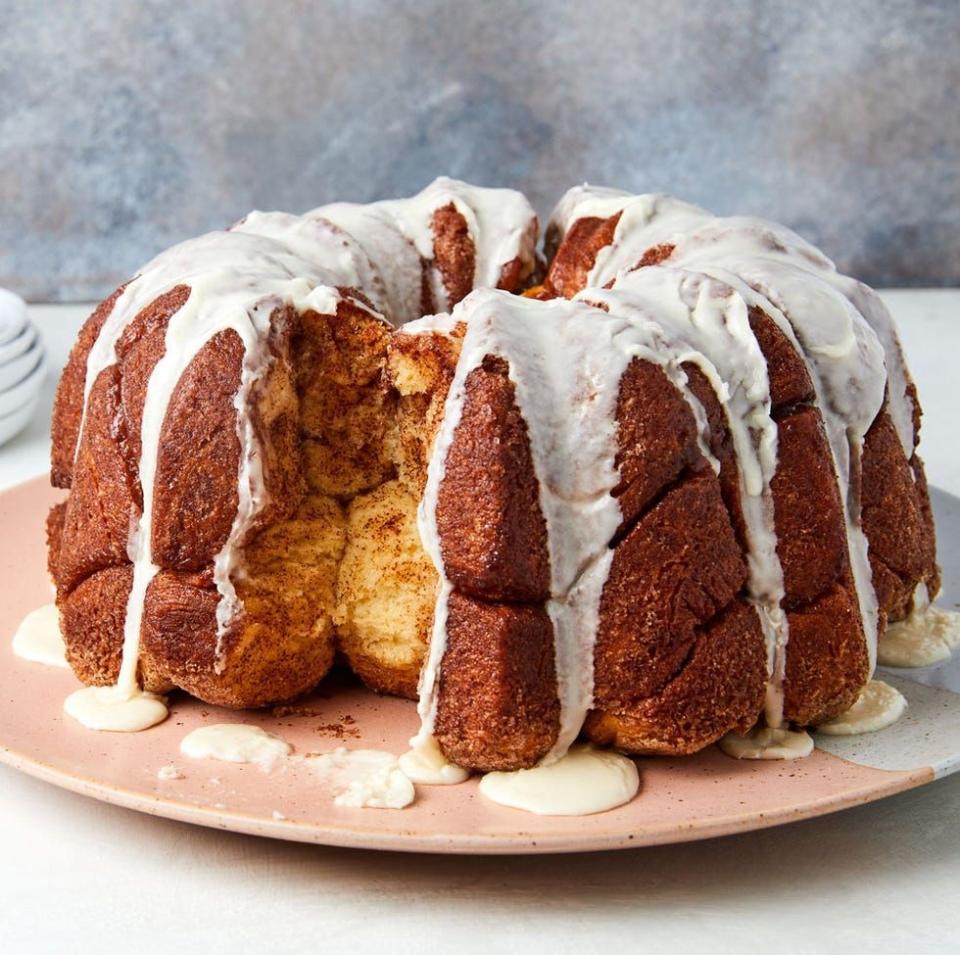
671, 489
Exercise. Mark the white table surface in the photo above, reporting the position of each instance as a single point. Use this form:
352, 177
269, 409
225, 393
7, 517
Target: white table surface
79, 876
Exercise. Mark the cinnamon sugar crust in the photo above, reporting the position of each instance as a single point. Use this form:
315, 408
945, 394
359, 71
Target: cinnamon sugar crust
498, 706
454, 254
573, 261
492, 532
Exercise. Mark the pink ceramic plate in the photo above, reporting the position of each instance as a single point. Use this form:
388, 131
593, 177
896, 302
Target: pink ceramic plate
680, 799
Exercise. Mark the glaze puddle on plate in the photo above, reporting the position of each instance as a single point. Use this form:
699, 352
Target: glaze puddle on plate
680, 799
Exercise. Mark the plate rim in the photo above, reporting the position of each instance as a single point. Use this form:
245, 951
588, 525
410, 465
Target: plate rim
359, 837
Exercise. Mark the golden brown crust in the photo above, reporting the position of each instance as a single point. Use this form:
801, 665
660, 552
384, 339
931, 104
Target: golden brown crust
196, 495
897, 520
720, 688
68, 403
513, 276
932, 569
676, 568
808, 513
105, 492
720, 444
92, 623
656, 437
277, 650
497, 704
54, 527
101, 506
573, 261
92, 619
787, 372
670, 611
826, 657
826, 663
492, 532
453, 252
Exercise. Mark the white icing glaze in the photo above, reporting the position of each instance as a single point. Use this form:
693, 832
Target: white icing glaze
842, 329
114, 709
566, 365
364, 778
849, 379
872, 308
927, 636
584, 781
169, 773
38, 637
767, 743
636, 212
426, 764
499, 221
712, 318
394, 283
878, 706
586, 202
238, 280
235, 743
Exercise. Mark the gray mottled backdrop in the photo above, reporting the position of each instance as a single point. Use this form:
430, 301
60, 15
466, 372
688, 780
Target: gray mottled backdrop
125, 126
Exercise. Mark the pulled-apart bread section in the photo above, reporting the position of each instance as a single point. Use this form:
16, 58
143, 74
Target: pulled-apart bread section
223, 424
387, 584
282, 644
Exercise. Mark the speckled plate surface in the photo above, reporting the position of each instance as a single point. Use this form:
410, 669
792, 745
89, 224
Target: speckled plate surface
680, 799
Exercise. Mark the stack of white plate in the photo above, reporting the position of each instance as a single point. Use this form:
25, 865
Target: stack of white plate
23, 365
